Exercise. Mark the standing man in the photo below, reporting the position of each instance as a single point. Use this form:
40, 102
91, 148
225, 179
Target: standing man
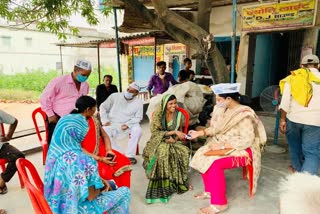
120, 116
300, 115
7, 151
160, 82
104, 90
186, 72
60, 95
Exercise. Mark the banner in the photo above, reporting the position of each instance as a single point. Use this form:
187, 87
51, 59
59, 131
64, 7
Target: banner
146, 50
175, 49
287, 14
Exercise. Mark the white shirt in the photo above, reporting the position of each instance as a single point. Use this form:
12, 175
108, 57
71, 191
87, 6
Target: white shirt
297, 113
117, 110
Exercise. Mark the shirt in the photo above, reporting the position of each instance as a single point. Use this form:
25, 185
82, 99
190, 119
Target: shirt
102, 93
61, 94
158, 86
297, 113
187, 73
117, 110
6, 119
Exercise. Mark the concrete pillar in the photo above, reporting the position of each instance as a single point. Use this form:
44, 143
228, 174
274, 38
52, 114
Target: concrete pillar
310, 39
242, 61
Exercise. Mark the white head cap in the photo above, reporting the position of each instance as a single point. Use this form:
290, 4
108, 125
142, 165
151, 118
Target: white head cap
135, 86
226, 88
83, 64
310, 59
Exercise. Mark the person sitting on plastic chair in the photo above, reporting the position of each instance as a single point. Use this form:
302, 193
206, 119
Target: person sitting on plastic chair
120, 116
235, 138
7, 151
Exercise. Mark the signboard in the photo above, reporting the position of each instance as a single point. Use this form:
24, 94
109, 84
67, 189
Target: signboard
175, 49
287, 14
147, 50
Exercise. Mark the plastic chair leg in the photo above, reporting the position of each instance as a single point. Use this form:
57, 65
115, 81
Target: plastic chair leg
244, 173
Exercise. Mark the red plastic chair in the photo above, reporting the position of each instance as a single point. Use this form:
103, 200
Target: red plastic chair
43, 142
249, 167
35, 191
3, 161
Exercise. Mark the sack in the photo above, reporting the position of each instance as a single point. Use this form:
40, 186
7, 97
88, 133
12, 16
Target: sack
220, 152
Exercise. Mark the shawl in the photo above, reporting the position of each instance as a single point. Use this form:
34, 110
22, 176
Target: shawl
221, 123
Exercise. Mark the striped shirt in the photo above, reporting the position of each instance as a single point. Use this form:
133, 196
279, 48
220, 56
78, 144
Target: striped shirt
61, 94
6, 119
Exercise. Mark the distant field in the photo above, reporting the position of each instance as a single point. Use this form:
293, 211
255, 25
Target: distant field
29, 85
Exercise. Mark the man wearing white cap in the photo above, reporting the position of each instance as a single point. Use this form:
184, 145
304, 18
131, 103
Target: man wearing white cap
60, 95
300, 115
120, 116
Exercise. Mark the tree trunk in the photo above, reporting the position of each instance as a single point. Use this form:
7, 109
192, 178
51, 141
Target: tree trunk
184, 31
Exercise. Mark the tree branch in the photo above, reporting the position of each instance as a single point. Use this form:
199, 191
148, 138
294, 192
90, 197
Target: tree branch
172, 30
180, 22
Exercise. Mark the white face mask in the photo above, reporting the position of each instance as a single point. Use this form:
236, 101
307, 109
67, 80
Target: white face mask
221, 104
128, 95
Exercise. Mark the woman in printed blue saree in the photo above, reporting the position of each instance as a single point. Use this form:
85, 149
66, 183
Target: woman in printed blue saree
72, 183
166, 159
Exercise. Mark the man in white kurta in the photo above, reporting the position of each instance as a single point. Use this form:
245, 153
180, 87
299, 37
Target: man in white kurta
120, 116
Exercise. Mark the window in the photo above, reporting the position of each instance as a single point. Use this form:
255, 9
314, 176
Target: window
28, 41
6, 41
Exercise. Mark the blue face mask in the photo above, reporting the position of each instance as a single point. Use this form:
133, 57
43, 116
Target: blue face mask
81, 78
128, 95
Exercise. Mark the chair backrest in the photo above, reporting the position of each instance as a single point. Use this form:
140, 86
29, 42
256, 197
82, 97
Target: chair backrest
3, 133
35, 192
34, 118
186, 119
23, 165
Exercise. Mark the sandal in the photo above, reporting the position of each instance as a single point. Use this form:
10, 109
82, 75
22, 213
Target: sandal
202, 195
3, 190
212, 209
2, 211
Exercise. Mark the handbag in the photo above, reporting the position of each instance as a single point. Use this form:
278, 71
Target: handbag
220, 152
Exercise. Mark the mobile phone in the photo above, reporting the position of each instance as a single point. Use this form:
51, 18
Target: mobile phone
188, 137
230, 151
112, 156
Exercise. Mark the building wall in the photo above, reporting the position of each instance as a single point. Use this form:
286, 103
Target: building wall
22, 50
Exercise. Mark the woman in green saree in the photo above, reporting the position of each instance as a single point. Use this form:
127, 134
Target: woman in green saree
166, 159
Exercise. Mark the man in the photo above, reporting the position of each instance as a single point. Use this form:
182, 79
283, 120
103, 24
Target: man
120, 116
7, 151
186, 72
300, 115
160, 82
104, 90
60, 95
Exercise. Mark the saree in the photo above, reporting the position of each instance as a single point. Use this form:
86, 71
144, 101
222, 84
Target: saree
69, 173
93, 143
166, 164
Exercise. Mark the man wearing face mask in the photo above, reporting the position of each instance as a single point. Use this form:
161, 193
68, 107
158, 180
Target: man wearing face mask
120, 116
60, 95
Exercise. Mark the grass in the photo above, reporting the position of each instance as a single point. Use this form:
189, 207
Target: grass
30, 84
19, 95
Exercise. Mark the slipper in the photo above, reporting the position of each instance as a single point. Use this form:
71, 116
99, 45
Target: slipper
202, 195
212, 209
3, 190
133, 161
2, 211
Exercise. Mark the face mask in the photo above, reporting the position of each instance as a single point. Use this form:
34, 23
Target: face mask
221, 105
81, 78
128, 95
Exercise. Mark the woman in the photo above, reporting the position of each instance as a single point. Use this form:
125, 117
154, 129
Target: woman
97, 145
72, 183
233, 126
166, 159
